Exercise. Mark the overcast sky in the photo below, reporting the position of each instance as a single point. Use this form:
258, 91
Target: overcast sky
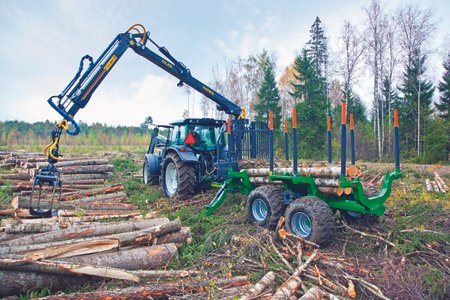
42, 42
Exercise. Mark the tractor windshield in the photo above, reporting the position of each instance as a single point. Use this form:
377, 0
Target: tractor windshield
204, 136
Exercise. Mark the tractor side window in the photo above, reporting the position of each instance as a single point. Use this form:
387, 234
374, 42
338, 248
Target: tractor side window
178, 135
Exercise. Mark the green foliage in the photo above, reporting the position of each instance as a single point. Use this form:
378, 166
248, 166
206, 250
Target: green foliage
311, 112
35, 294
435, 283
408, 103
5, 196
317, 48
269, 98
140, 194
443, 106
435, 144
125, 164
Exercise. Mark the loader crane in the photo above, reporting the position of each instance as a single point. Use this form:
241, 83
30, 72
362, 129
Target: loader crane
185, 162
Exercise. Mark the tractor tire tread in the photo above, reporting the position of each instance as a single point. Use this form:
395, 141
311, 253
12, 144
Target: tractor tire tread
186, 177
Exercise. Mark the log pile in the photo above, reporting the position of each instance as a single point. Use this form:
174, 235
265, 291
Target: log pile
86, 252
437, 185
77, 173
326, 176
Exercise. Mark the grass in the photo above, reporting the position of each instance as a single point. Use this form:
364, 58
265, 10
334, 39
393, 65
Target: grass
5, 196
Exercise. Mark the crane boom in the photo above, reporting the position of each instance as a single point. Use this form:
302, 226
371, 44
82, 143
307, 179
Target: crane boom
80, 90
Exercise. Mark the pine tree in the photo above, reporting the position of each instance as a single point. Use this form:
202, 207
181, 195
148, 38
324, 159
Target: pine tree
311, 111
443, 106
269, 98
414, 89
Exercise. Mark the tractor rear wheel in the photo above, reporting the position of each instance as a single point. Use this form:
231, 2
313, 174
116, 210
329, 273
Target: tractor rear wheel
310, 218
178, 177
265, 206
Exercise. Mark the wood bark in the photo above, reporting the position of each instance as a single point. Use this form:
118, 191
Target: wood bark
441, 181
63, 268
30, 228
85, 176
16, 282
315, 293
178, 238
16, 176
123, 239
93, 169
109, 197
86, 231
259, 287
324, 182
158, 290
24, 213
428, 184
134, 259
326, 171
80, 162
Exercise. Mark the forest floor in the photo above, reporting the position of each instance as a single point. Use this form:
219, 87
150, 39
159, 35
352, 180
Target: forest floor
406, 253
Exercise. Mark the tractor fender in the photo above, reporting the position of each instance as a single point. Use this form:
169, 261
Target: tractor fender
187, 155
153, 164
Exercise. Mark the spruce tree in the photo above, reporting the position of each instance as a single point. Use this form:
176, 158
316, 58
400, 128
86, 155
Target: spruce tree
269, 98
317, 48
443, 106
413, 82
311, 111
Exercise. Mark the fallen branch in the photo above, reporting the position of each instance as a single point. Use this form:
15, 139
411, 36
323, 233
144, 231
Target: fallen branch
259, 287
369, 235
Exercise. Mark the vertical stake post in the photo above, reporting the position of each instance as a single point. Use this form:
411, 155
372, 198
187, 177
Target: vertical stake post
343, 139
286, 140
352, 138
330, 158
271, 141
294, 142
396, 142
231, 150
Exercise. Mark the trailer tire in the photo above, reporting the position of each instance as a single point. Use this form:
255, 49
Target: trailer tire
353, 217
310, 218
178, 177
265, 206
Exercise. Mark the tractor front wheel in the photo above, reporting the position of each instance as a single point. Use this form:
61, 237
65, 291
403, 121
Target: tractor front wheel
265, 206
178, 178
310, 218
147, 178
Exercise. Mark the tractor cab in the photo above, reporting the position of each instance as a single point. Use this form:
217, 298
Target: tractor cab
200, 134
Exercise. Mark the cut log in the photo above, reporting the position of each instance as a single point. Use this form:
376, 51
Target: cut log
315, 293
92, 192
82, 162
24, 213
435, 187
85, 177
441, 181
86, 231
93, 169
16, 176
62, 268
156, 290
30, 228
88, 203
178, 238
57, 249
134, 259
325, 171
262, 285
428, 184
16, 282
324, 182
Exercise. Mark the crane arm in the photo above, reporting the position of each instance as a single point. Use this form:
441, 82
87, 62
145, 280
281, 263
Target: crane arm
80, 89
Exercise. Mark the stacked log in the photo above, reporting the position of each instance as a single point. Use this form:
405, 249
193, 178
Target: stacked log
88, 252
437, 185
326, 176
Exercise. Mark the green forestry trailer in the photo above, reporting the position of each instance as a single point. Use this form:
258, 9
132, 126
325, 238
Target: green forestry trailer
308, 201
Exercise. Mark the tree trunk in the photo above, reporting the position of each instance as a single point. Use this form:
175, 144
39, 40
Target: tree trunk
63, 268
158, 290
258, 288
85, 176
93, 169
16, 282
134, 259
86, 231
81, 162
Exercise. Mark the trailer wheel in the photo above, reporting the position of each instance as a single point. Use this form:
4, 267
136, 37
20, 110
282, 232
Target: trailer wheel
265, 206
310, 218
146, 177
356, 217
178, 178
